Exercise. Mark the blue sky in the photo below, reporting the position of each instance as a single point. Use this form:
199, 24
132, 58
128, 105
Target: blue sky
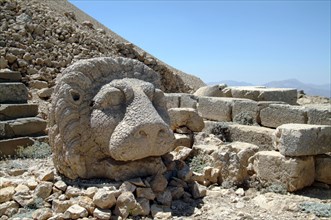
251, 41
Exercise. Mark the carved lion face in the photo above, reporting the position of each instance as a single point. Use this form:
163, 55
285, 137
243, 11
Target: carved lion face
104, 110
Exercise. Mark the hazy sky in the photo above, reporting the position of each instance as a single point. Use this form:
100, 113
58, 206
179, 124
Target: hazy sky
252, 41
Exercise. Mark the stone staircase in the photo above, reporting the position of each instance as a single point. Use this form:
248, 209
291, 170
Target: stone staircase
19, 125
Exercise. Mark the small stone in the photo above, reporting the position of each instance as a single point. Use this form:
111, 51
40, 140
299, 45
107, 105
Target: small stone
125, 203
45, 93
60, 206
240, 192
142, 208
240, 205
11, 58
102, 214
75, 212
127, 187
42, 214
104, 199
181, 153
46, 175
32, 184
73, 192
159, 183
22, 189
197, 190
6, 206
90, 191
85, 202
164, 198
145, 193
3, 63
43, 190
61, 185
176, 192
6, 194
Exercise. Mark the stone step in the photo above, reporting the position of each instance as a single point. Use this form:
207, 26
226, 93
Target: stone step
13, 111
9, 147
7, 75
22, 127
13, 93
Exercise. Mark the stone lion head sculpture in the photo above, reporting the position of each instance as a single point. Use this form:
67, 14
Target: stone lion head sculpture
108, 119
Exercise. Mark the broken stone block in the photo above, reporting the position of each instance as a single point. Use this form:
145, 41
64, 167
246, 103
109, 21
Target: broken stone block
293, 172
319, 114
265, 94
187, 117
259, 136
323, 168
302, 139
277, 114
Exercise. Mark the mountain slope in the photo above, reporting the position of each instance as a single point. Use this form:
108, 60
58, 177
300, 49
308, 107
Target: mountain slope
41, 37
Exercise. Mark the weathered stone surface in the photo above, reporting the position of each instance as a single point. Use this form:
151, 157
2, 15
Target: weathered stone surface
164, 198
260, 136
61, 185
277, 114
181, 153
198, 190
265, 94
125, 204
22, 127
172, 99
6, 194
104, 199
85, 202
322, 168
5, 207
75, 212
245, 112
10, 146
7, 75
220, 90
38, 84
42, 214
159, 183
13, 93
43, 190
102, 214
59, 206
145, 193
188, 101
122, 121
13, 111
214, 108
301, 140
188, 117
319, 114
273, 167
185, 140
45, 93
142, 207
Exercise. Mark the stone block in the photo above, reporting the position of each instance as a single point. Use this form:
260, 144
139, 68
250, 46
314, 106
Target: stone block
22, 127
301, 139
7, 75
13, 111
265, 94
245, 112
323, 168
188, 101
319, 114
188, 117
277, 114
172, 100
260, 136
10, 146
13, 93
293, 172
216, 108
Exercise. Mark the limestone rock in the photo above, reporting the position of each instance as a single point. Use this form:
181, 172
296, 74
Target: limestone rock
184, 140
245, 112
13, 93
85, 202
214, 91
6, 194
5, 207
181, 153
59, 206
142, 207
273, 167
42, 214
125, 203
45, 93
198, 190
277, 114
322, 168
104, 199
130, 126
46, 175
75, 212
145, 193
319, 114
214, 108
61, 185
43, 190
301, 140
185, 117
102, 214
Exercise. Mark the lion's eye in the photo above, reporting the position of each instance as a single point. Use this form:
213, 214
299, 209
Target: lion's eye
75, 95
109, 97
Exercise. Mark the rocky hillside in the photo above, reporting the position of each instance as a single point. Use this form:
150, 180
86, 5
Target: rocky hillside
39, 38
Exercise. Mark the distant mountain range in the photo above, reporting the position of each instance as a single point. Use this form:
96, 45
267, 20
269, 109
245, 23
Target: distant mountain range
309, 89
